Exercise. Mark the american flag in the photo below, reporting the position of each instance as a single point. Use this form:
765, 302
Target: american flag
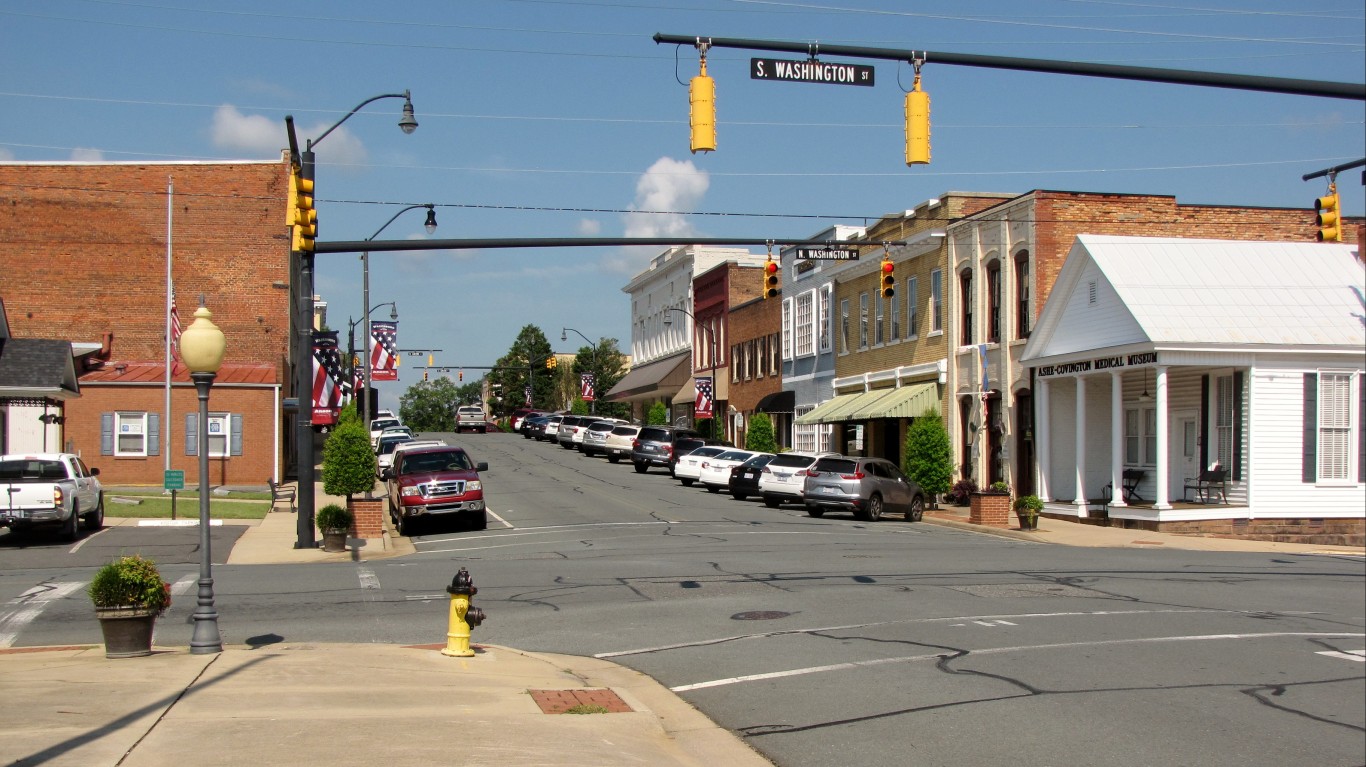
383, 351
527, 390
586, 387
327, 373
175, 326
702, 407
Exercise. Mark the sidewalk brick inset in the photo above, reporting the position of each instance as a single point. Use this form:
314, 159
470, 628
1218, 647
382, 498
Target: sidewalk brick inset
560, 701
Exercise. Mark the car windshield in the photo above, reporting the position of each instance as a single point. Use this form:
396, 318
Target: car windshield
761, 460
836, 465
654, 434
791, 460
32, 469
387, 446
734, 455
704, 452
380, 424
446, 461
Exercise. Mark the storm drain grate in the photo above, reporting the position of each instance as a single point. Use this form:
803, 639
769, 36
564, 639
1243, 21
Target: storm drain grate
560, 701
1026, 590
760, 615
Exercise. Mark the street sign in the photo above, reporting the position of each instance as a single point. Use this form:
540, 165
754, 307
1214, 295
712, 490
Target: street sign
826, 254
811, 71
174, 479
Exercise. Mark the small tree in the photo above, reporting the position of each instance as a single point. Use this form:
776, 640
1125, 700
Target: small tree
579, 407
348, 414
927, 456
348, 462
658, 415
760, 434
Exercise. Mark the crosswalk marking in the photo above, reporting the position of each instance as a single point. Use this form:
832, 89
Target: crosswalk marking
1357, 655
23, 609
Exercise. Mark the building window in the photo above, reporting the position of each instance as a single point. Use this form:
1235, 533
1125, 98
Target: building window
1223, 420
218, 435
806, 321
965, 298
823, 320
773, 364
1335, 426
863, 321
994, 302
844, 326
130, 434
937, 301
878, 322
1140, 436
912, 307
804, 434
787, 328
1022, 318
894, 309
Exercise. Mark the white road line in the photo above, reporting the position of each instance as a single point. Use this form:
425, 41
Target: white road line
368, 579
1357, 655
23, 609
1001, 651
86, 540
494, 514
182, 586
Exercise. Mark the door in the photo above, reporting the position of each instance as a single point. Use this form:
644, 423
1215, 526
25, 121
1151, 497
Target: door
1183, 451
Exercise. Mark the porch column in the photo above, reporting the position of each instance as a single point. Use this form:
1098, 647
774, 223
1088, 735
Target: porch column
1042, 440
1162, 492
1116, 439
1080, 501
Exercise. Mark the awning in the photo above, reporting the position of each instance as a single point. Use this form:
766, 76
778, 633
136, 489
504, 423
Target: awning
828, 411
778, 402
688, 394
909, 401
653, 377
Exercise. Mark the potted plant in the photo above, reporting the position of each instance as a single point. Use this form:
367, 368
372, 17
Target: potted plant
128, 594
1000, 487
335, 522
1027, 508
961, 493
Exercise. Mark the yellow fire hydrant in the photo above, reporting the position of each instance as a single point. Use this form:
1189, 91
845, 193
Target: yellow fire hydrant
463, 617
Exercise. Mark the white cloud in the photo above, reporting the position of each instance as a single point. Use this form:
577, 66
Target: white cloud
6, 155
589, 227
264, 137
80, 154
669, 189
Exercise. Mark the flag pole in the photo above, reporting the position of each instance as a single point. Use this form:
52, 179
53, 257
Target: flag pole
170, 288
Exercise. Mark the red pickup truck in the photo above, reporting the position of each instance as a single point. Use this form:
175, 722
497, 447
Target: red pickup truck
433, 482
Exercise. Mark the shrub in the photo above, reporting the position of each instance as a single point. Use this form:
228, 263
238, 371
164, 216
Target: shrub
759, 436
927, 457
1028, 505
1000, 487
658, 415
130, 581
348, 461
962, 491
348, 414
333, 517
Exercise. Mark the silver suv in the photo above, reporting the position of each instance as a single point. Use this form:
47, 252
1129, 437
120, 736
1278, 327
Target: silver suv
866, 486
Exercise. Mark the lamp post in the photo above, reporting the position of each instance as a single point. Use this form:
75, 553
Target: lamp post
711, 344
564, 336
430, 226
351, 324
201, 347
302, 267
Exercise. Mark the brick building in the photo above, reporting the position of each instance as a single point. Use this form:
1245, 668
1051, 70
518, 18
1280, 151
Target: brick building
86, 253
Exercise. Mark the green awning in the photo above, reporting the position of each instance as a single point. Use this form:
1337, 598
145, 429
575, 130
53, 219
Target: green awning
831, 406
909, 401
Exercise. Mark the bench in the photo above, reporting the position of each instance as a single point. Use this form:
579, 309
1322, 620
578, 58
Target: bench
1131, 478
280, 494
1209, 482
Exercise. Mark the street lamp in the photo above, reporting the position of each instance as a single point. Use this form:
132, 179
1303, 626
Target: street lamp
711, 343
430, 226
201, 348
302, 267
564, 336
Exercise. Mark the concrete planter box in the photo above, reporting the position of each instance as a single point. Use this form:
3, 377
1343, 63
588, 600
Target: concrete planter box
988, 508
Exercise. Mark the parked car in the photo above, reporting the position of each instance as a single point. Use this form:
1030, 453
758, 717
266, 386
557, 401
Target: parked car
394, 431
471, 417
551, 429
618, 443
714, 473
383, 462
744, 479
519, 415
569, 433
433, 482
869, 487
595, 435
689, 467
384, 450
378, 425
682, 447
783, 479
50, 489
654, 446
528, 426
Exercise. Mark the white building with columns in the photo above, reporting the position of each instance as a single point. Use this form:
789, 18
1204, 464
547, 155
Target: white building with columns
1168, 358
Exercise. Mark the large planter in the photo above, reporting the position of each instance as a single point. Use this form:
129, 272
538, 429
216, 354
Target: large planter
1028, 521
127, 630
334, 540
989, 508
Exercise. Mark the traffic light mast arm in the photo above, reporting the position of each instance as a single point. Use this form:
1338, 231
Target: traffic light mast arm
1337, 90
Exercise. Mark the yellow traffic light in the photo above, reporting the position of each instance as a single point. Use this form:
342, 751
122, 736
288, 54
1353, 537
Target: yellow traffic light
424, 375
551, 362
301, 217
917, 125
888, 272
770, 278
460, 376
1329, 217
702, 111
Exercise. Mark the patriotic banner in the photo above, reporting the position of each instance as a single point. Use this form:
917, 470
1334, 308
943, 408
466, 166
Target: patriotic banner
703, 406
586, 387
528, 396
383, 351
327, 378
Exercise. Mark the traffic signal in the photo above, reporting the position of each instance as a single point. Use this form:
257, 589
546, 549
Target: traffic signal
300, 216
460, 376
702, 110
1329, 216
917, 125
551, 362
770, 278
888, 272
424, 375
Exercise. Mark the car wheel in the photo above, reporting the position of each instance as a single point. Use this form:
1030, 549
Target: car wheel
640, 467
95, 519
772, 503
403, 526
480, 522
686, 482
873, 511
739, 496
711, 489
613, 458
815, 511
916, 512
69, 526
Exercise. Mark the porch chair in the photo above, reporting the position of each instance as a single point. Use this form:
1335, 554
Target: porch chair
280, 494
1210, 481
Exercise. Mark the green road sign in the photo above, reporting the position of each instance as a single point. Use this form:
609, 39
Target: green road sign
175, 479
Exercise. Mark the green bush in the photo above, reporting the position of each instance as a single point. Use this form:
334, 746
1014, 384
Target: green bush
333, 517
348, 414
348, 461
1000, 487
658, 415
759, 436
1029, 505
927, 457
130, 581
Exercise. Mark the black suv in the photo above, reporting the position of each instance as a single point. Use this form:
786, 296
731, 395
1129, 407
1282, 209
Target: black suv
654, 446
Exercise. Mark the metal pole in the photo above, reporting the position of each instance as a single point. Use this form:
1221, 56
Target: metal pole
205, 638
303, 352
386, 246
365, 304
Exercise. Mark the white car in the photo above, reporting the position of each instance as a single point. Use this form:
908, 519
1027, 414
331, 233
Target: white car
384, 450
387, 461
377, 427
715, 471
690, 466
784, 478
620, 441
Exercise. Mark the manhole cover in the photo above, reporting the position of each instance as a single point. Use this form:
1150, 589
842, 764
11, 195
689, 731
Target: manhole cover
1026, 590
759, 615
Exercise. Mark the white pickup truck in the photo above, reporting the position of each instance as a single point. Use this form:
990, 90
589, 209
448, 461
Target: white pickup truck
49, 489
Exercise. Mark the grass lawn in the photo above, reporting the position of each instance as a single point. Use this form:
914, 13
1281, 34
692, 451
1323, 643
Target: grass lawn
158, 506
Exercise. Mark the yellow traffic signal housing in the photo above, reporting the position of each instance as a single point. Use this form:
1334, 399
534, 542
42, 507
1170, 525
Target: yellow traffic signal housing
300, 216
770, 278
917, 125
702, 111
1329, 218
888, 272
551, 362
424, 375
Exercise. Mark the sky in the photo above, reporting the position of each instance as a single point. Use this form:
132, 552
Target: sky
559, 118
